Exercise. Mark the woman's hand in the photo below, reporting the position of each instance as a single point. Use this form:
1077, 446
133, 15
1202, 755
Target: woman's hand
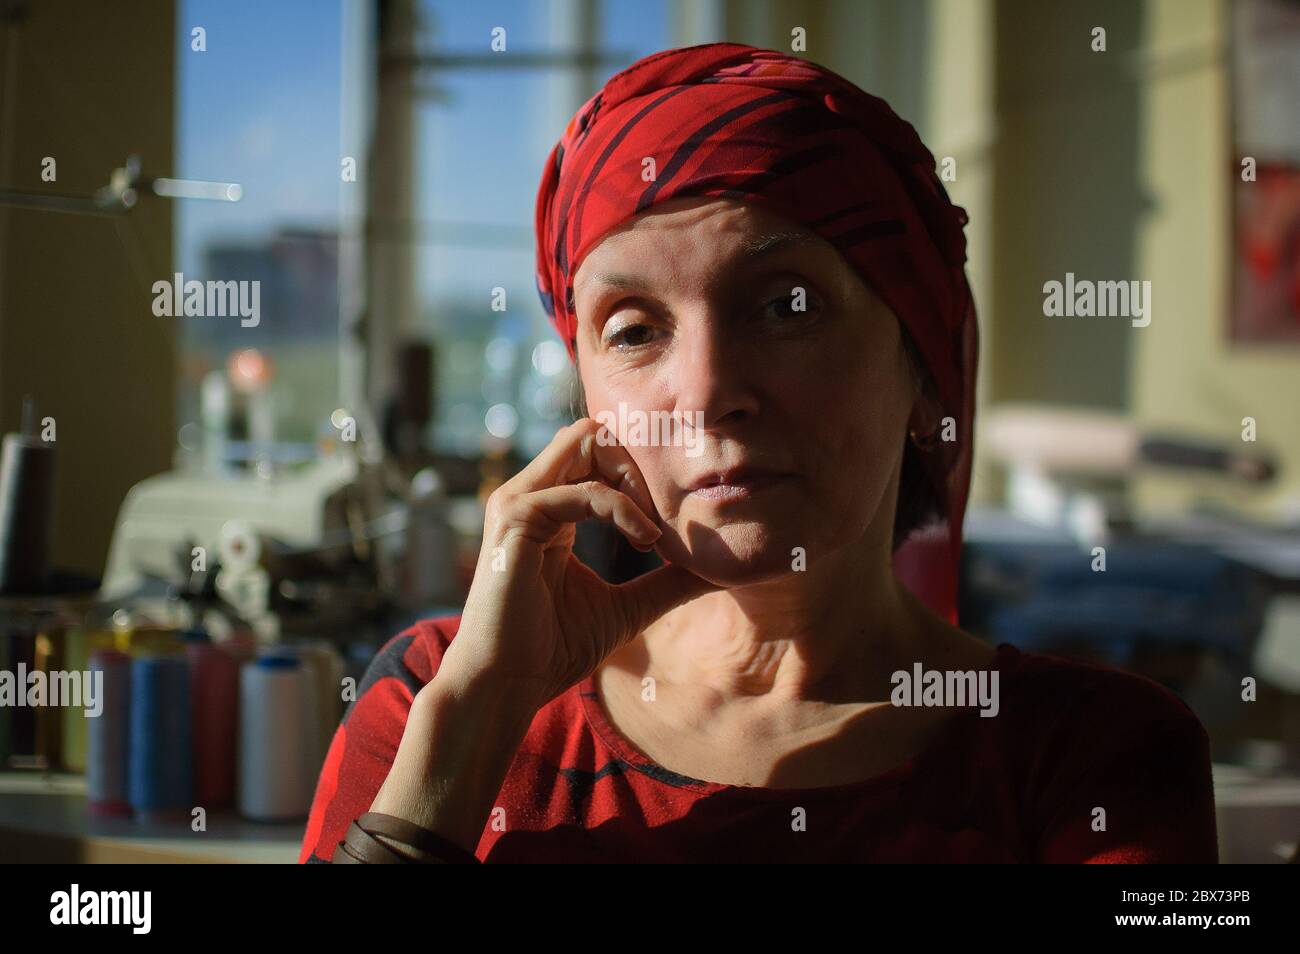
538, 620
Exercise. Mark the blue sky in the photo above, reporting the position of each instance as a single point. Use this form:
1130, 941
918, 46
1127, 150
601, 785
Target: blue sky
259, 107
262, 107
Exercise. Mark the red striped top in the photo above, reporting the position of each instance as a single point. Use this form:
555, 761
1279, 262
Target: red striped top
1083, 763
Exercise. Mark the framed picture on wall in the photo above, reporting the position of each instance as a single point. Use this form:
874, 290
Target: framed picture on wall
1265, 72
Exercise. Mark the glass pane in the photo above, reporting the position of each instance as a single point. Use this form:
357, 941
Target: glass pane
260, 107
485, 131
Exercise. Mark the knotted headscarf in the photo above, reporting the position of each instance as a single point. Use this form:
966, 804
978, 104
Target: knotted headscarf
736, 122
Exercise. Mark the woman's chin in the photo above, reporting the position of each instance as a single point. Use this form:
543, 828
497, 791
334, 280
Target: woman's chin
732, 555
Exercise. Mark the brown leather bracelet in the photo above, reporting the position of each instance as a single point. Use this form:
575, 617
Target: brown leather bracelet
363, 844
345, 854
414, 836
359, 847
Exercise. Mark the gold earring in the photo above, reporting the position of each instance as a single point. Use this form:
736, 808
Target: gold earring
926, 441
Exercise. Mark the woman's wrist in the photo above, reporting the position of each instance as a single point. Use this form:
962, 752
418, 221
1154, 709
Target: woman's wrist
460, 739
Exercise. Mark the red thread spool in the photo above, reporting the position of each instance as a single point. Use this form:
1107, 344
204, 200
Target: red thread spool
214, 695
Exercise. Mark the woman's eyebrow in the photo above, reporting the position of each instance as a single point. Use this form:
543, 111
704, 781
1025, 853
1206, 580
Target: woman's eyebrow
750, 250
775, 242
616, 280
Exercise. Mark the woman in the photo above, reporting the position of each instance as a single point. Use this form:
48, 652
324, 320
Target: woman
750, 246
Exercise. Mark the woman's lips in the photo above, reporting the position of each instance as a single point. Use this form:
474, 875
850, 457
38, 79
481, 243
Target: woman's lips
738, 484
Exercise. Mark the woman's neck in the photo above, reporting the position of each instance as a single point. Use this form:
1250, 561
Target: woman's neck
834, 634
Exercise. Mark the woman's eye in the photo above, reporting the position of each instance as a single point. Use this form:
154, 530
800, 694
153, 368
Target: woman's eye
631, 336
797, 302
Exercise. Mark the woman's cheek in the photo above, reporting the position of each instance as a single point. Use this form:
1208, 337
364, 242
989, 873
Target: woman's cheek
650, 461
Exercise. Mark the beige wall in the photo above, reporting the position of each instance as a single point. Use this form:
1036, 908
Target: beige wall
960, 121
1186, 373
88, 83
1066, 197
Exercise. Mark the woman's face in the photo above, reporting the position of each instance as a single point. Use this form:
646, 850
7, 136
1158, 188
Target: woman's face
765, 342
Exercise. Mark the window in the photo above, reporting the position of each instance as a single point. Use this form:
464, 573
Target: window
272, 105
261, 106
487, 121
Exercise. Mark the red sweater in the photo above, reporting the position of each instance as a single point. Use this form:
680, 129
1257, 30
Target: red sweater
1022, 786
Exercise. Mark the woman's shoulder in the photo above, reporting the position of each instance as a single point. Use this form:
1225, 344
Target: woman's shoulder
1045, 695
1104, 764
1039, 676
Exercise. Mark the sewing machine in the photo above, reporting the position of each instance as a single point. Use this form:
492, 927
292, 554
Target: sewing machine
180, 526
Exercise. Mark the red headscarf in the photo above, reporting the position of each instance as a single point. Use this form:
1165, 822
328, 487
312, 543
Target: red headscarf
760, 126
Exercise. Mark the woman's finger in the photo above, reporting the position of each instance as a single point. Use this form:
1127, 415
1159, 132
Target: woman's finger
585, 449
539, 515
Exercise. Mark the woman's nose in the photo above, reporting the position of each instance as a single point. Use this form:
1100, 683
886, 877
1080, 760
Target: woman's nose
712, 376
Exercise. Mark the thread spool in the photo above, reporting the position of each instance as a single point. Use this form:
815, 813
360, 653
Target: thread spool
214, 681
243, 551
160, 760
48, 716
273, 780
26, 509
239, 545
108, 736
324, 667
79, 643
76, 654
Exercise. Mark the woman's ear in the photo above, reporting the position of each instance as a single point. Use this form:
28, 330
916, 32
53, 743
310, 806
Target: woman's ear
925, 419
927, 413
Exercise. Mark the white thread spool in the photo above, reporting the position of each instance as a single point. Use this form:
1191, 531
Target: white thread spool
239, 546
274, 783
324, 667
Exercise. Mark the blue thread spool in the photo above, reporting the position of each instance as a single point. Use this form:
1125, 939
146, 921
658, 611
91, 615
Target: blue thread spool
160, 775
